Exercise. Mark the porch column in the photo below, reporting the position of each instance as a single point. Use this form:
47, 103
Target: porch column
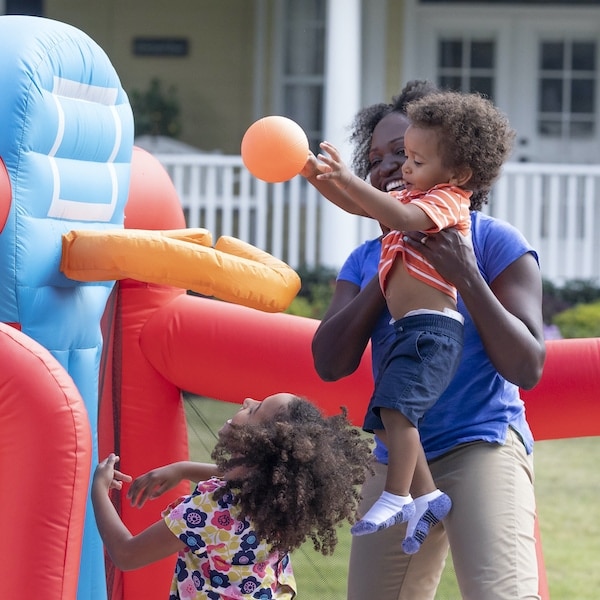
339, 230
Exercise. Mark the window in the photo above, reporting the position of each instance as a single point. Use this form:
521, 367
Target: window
567, 88
302, 65
467, 64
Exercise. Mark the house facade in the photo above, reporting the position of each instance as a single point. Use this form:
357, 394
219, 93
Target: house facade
233, 61
230, 62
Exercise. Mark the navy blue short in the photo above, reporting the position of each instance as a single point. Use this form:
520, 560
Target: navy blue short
417, 368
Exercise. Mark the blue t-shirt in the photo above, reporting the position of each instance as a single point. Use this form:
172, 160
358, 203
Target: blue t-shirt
479, 404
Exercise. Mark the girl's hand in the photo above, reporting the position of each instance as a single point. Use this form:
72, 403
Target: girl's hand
107, 476
153, 484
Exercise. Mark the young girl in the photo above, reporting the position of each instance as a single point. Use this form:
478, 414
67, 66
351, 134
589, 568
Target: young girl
283, 473
455, 147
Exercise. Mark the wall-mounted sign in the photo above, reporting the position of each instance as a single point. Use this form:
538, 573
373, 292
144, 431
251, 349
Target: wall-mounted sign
160, 46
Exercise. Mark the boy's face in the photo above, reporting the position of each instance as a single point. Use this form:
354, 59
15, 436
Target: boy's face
424, 167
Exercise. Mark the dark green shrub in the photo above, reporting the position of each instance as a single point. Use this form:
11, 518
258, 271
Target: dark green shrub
155, 111
580, 321
318, 285
558, 299
315, 294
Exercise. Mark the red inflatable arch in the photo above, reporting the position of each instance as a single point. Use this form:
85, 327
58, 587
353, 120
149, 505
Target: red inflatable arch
142, 417
160, 341
45, 460
229, 352
5, 194
566, 402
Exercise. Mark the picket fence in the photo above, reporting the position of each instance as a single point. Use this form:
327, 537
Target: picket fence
556, 207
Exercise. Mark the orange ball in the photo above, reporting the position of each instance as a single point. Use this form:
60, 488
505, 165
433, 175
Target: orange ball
274, 149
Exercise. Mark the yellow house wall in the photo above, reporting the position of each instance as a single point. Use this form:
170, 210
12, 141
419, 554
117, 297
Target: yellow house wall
214, 82
394, 79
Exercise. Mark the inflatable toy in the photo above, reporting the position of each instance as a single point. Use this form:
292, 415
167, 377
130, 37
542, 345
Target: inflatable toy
66, 151
66, 123
237, 360
274, 149
45, 456
121, 354
142, 416
233, 270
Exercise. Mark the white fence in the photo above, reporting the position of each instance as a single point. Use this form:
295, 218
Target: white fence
557, 207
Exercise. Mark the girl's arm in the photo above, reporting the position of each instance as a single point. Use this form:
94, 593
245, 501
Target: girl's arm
127, 551
507, 313
345, 330
154, 483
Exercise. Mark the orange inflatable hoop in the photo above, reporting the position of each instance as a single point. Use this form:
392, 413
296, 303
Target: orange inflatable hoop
233, 270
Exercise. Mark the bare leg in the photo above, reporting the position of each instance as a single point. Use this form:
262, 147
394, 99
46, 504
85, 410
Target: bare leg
395, 504
404, 447
422, 482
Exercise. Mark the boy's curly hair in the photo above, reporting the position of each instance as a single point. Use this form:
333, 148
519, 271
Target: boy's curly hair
299, 476
472, 132
365, 121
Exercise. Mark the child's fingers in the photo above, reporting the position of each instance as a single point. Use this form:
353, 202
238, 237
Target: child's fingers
119, 476
325, 163
331, 150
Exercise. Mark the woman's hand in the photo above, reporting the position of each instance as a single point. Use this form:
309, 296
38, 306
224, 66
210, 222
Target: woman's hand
312, 168
507, 313
449, 252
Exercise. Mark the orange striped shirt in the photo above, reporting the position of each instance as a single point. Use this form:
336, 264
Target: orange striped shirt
447, 206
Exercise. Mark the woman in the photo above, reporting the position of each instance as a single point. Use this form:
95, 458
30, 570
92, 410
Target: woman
476, 437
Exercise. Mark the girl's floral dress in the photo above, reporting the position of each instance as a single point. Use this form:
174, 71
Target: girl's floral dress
224, 559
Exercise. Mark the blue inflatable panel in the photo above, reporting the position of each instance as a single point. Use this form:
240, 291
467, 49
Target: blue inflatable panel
66, 140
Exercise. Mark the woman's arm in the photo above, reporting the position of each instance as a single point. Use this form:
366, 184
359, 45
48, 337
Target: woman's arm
507, 314
154, 483
345, 330
127, 551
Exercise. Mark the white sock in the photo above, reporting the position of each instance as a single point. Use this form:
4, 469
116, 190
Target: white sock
421, 505
386, 506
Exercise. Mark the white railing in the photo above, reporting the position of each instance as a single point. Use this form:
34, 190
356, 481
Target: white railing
557, 207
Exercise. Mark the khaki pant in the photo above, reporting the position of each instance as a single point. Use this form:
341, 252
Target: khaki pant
490, 529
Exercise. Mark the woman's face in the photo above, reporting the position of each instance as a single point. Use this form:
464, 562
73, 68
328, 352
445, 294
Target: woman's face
259, 411
386, 155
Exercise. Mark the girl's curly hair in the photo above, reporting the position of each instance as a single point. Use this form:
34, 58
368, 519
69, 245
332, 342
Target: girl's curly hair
472, 132
298, 477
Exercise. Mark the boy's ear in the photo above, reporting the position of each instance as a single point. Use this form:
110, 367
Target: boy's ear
462, 176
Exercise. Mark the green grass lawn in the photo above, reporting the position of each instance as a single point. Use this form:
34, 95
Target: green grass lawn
567, 489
